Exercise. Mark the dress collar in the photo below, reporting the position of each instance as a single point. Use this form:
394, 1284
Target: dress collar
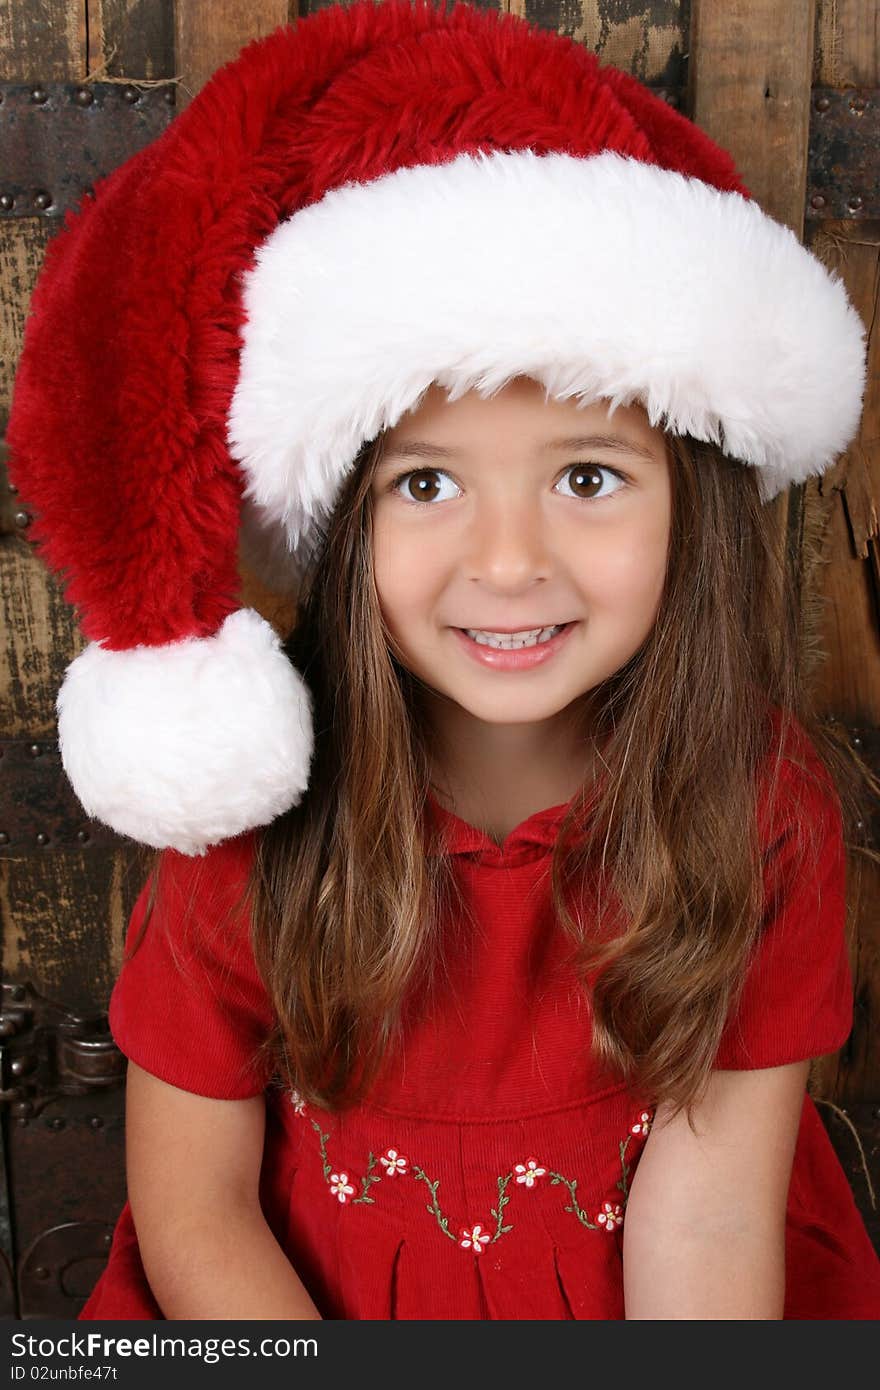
540, 829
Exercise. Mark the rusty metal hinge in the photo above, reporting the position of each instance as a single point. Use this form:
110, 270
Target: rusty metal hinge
49, 1052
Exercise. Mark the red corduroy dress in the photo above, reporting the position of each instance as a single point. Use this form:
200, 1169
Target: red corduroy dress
488, 1175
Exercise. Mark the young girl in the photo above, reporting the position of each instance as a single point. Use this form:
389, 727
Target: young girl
499, 913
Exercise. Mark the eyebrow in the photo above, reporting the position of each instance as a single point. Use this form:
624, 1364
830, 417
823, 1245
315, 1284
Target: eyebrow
419, 448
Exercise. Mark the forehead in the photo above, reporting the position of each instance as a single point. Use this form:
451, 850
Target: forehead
519, 416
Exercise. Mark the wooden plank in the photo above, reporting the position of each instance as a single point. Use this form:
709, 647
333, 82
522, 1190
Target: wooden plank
23, 242
843, 512
128, 39
209, 33
750, 89
648, 40
42, 40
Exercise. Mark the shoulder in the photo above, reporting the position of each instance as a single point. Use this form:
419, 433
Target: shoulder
200, 898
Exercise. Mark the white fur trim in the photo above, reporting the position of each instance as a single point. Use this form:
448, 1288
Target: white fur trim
601, 278
191, 743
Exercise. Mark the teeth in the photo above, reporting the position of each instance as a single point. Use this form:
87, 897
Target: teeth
512, 641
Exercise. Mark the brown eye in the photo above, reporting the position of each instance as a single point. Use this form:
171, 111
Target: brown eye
419, 485
422, 485
586, 480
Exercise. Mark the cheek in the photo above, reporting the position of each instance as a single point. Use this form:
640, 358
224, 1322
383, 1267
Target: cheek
401, 567
627, 568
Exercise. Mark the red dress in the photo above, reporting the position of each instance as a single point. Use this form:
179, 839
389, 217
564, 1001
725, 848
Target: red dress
487, 1176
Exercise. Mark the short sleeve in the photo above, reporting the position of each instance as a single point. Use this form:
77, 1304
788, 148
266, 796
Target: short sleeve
189, 1006
797, 1001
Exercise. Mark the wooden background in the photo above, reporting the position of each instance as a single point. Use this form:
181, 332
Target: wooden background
746, 71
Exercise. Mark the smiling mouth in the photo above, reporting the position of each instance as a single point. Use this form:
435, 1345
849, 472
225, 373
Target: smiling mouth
521, 640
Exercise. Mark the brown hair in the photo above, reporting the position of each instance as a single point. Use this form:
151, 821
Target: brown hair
347, 907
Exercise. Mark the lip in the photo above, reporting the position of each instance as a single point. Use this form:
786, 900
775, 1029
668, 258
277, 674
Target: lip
522, 660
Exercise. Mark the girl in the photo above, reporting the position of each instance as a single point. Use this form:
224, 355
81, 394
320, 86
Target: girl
499, 913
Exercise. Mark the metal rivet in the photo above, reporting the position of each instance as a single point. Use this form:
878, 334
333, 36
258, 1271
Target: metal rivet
107, 1240
56, 1122
856, 741
41, 1272
96, 1121
42, 199
83, 97
22, 520
817, 201
823, 103
42, 838
4, 838
130, 94
39, 95
169, 95
7, 202
35, 750
860, 825
83, 836
12, 488
855, 203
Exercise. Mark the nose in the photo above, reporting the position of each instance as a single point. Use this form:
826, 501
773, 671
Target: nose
507, 542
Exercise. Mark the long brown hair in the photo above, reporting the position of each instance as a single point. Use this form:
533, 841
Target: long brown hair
347, 908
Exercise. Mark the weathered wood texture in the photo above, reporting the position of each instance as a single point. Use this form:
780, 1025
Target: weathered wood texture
209, 33
43, 39
650, 40
59, 919
130, 39
842, 511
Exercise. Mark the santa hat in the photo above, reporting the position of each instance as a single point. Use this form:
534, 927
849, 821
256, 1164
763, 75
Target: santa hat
377, 198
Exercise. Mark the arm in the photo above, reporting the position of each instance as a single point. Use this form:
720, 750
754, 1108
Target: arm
193, 1167
704, 1232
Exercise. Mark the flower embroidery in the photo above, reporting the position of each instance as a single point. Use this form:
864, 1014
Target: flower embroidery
340, 1186
610, 1216
528, 1173
299, 1105
476, 1237
393, 1162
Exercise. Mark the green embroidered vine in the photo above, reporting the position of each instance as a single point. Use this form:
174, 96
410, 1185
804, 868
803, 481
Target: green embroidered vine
366, 1181
624, 1143
502, 1203
322, 1139
434, 1207
578, 1211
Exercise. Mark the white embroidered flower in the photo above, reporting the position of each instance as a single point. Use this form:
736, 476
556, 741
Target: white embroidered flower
475, 1238
643, 1124
299, 1105
393, 1162
340, 1186
610, 1216
529, 1173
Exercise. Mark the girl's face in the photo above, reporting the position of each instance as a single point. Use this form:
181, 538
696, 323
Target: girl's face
514, 513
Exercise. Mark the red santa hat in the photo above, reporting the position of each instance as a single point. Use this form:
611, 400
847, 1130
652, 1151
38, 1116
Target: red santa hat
377, 198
